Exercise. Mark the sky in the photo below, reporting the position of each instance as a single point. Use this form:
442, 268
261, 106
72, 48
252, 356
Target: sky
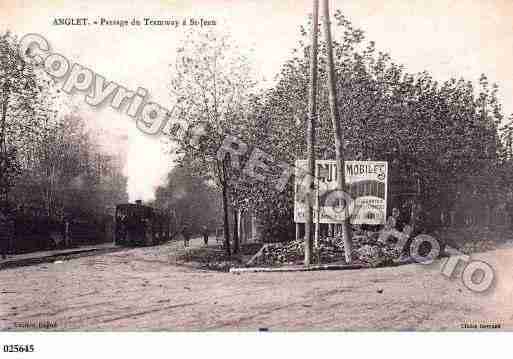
462, 38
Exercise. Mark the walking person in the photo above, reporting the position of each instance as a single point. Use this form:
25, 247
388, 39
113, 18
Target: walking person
186, 236
67, 238
205, 235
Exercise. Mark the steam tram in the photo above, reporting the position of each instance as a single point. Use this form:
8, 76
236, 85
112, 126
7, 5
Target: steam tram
139, 225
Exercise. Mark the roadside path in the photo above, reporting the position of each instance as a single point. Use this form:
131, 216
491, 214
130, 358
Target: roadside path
139, 289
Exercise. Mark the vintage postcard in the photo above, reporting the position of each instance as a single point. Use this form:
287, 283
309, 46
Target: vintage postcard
255, 166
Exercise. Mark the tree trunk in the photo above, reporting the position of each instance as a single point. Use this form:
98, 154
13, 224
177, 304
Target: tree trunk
3, 148
310, 137
225, 212
337, 132
254, 232
235, 230
242, 227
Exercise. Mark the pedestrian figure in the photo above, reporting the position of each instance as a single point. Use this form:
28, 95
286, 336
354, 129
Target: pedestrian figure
205, 235
186, 236
67, 238
393, 220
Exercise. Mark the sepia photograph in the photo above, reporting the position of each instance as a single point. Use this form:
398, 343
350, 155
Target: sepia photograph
265, 167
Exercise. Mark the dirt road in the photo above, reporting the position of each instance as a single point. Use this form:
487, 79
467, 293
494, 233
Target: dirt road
139, 289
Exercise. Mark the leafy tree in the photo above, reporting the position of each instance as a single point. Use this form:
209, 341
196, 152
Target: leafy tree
48, 158
441, 139
211, 81
436, 136
191, 199
18, 106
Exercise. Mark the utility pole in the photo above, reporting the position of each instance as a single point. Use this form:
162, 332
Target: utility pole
317, 216
337, 132
318, 176
310, 138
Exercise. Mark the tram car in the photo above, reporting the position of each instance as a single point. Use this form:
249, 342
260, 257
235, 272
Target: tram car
139, 225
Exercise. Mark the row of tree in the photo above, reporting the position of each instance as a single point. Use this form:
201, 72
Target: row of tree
49, 159
441, 139
191, 201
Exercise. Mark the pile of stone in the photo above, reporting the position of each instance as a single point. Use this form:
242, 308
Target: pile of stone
278, 253
377, 254
366, 249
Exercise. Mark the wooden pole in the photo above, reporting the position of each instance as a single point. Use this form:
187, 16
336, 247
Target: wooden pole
317, 214
310, 136
337, 130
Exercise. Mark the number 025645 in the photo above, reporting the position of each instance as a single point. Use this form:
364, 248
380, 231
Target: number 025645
18, 348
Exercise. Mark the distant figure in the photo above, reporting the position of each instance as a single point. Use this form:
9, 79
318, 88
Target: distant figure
421, 217
395, 228
186, 236
205, 235
220, 234
393, 220
67, 239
